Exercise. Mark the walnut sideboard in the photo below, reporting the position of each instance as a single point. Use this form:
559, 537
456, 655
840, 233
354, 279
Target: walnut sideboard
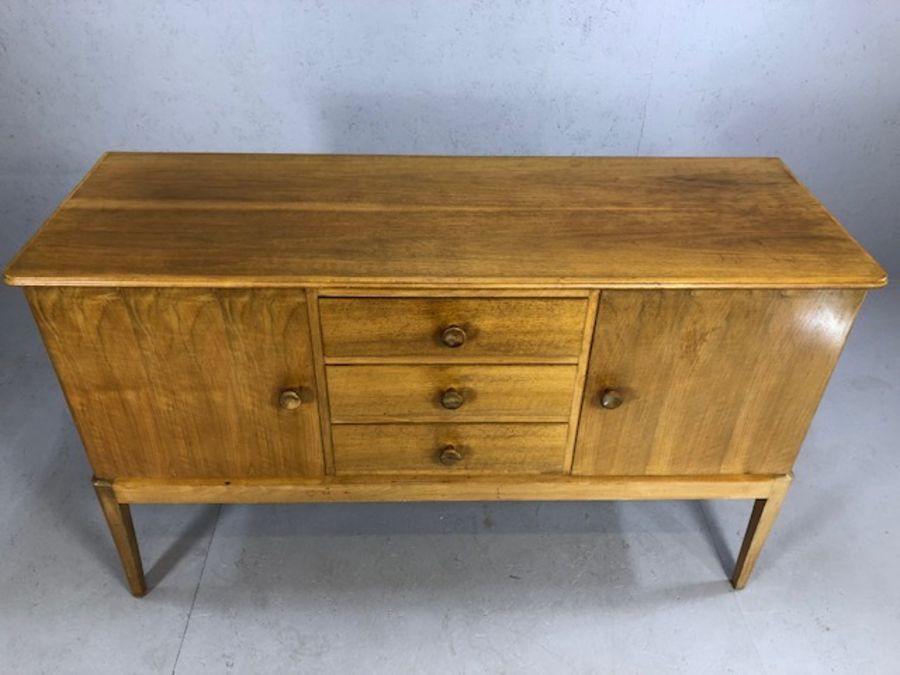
275, 328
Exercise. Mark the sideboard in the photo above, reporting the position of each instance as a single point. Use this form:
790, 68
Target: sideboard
277, 328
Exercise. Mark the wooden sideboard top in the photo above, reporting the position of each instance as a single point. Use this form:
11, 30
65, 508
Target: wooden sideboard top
179, 219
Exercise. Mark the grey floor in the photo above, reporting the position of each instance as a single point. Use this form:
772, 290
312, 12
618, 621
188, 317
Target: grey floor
457, 588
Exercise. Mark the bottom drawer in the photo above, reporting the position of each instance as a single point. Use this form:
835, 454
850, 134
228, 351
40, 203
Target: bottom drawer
449, 448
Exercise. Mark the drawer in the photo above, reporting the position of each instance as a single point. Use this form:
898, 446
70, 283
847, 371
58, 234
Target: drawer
454, 328
449, 448
394, 393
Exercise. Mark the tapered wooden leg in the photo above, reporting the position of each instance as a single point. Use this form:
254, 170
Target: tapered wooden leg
765, 511
118, 517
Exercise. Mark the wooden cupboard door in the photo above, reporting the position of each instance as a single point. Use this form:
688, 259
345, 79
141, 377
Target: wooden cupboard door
711, 381
185, 383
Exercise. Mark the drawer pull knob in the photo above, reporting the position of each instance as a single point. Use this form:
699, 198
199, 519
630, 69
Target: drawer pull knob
452, 399
450, 455
290, 399
611, 399
453, 336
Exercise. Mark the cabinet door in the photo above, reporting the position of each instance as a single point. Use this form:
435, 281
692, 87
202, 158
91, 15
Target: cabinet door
710, 381
185, 382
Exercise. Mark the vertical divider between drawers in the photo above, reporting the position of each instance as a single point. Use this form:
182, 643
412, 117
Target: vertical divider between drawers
318, 349
590, 320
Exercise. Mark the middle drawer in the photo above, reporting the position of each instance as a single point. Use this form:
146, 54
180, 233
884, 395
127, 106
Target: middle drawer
442, 393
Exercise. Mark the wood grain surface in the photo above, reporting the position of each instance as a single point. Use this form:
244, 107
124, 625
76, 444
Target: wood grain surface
184, 383
507, 329
713, 381
466, 487
413, 393
415, 448
156, 219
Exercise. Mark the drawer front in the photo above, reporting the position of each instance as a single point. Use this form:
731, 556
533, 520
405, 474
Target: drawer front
449, 329
707, 382
450, 393
186, 383
449, 448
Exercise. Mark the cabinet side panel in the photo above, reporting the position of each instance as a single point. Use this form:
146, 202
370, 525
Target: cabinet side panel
714, 382
185, 382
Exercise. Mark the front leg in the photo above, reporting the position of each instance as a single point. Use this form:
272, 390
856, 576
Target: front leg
761, 520
118, 517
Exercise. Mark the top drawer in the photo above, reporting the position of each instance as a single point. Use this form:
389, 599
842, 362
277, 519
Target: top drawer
454, 328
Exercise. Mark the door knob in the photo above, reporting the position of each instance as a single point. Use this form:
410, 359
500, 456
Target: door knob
453, 336
451, 399
450, 455
291, 399
611, 399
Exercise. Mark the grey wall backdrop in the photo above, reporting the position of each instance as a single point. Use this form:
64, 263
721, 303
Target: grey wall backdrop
815, 82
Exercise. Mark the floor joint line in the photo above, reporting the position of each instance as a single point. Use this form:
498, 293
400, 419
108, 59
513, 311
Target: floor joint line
187, 623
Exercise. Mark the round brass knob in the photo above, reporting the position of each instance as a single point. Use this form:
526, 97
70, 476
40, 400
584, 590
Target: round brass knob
450, 455
611, 399
451, 399
453, 336
290, 399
